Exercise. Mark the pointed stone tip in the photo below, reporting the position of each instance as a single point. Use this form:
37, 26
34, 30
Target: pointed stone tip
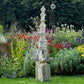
43, 8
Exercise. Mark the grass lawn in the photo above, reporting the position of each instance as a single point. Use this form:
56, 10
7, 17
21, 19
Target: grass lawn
54, 80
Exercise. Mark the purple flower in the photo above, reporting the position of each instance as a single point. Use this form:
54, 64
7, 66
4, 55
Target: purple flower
83, 33
70, 44
48, 35
33, 35
82, 41
78, 39
46, 29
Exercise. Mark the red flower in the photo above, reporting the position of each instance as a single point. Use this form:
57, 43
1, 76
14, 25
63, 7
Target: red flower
49, 45
15, 40
37, 47
23, 48
23, 35
27, 37
49, 41
6, 49
30, 37
49, 51
10, 53
14, 36
55, 45
7, 46
11, 37
24, 38
58, 46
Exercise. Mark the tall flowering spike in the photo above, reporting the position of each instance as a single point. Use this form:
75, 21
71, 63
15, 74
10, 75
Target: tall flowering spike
83, 33
82, 41
79, 39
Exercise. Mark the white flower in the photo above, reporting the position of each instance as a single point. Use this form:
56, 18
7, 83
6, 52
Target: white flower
62, 25
73, 30
2, 39
71, 25
68, 31
67, 26
60, 31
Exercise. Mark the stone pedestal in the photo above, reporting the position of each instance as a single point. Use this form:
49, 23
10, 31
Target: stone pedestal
42, 71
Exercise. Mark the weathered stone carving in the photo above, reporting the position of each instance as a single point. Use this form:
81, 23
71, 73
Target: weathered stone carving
42, 67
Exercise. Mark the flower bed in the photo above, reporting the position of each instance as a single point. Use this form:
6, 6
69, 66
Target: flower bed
16, 53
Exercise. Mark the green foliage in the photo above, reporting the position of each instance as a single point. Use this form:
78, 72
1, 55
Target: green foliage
7, 67
63, 36
17, 62
78, 13
28, 65
67, 11
67, 62
1, 29
18, 51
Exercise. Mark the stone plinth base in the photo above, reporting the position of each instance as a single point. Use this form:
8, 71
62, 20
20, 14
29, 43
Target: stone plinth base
42, 71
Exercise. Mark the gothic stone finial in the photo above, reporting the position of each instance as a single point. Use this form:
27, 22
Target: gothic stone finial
43, 14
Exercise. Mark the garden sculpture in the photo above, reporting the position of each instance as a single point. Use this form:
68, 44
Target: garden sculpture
42, 67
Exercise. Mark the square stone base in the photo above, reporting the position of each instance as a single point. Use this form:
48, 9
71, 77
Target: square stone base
42, 71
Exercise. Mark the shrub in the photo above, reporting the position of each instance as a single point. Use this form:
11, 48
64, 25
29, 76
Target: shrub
15, 61
53, 48
67, 62
61, 36
7, 66
4, 49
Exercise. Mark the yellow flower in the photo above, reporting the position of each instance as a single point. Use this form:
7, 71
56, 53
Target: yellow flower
82, 55
81, 49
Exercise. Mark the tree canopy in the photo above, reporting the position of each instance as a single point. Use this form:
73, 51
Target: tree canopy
67, 11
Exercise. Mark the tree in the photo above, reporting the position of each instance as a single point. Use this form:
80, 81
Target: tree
67, 11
